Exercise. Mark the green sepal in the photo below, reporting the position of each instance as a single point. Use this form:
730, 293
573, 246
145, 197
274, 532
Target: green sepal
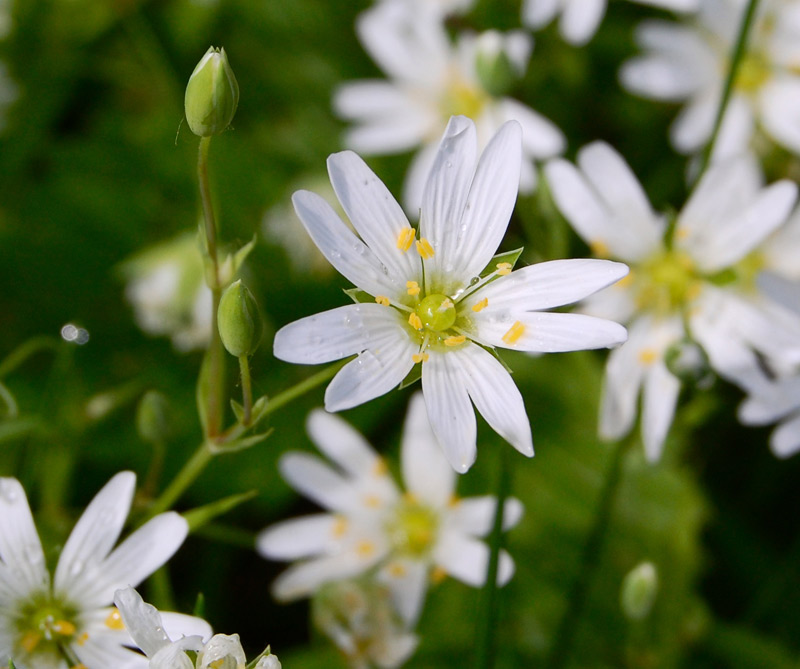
238, 410
508, 256
256, 411
265, 653
11, 665
412, 377
234, 261
208, 512
240, 444
359, 296
199, 610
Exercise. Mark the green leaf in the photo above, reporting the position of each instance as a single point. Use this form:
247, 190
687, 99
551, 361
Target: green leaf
238, 410
199, 610
15, 428
241, 444
7, 398
510, 257
204, 514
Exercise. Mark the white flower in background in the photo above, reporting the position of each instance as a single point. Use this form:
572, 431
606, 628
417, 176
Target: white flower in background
59, 624
168, 292
442, 301
696, 279
407, 539
440, 8
146, 626
431, 79
771, 401
688, 62
580, 19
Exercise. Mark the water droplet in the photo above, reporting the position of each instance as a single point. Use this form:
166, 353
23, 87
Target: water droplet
76, 568
8, 491
335, 255
474, 280
448, 164
360, 249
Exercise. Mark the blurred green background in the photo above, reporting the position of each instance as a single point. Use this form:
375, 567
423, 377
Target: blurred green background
94, 167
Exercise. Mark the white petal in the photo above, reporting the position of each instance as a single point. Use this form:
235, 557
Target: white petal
20, 549
538, 13
298, 538
659, 398
475, 515
351, 257
408, 582
426, 472
142, 620
771, 402
785, 440
180, 625
449, 409
341, 443
541, 138
692, 127
313, 478
496, 396
580, 19
416, 178
302, 579
467, 560
100, 651
372, 210
779, 106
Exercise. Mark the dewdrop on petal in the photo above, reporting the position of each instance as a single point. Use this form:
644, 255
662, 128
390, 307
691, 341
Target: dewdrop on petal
239, 320
212, 94
639, 590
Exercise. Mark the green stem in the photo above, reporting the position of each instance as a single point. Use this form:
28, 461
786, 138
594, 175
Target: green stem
247, 389
24, 351
216, 354
487, 611
733, 70
590, 558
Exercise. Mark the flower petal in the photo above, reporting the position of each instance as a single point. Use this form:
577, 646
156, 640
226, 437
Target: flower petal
467, 560
142, 620
474, 516
298, 538
342, 444
771, 401
579, 20
312, 477
407, 580
541, 138
659, 398
785, 440
21, 552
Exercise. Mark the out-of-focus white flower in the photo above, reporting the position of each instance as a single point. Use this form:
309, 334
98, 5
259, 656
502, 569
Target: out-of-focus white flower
407, 539
58, 624
696, 277
771, 401
437, 8
168, 292
358, 616
688, 62
430, 80
443, 301
581, 18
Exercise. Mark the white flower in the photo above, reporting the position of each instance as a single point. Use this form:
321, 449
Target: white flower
689, 62
431, 79
433, 303
407, 538
53, 625
437, 8
697, 279
773, 401
581, 18
169, 294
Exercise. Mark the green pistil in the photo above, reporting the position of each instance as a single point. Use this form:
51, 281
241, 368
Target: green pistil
667, 282
437, 312
413, 528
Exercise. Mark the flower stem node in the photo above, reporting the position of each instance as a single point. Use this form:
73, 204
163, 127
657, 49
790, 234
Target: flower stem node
239, 320
639, 590
212, 94
152, 417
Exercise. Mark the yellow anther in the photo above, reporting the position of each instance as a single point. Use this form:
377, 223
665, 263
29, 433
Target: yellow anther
382, 299
405, 238
681, 233
480, 306
372, 501
409, 497
693, 292
438, 575
415, 322
339, 527
217, 664
380, 468
647, 356
114, 620
454, 500
413, 287
397, 570
599, 248
365, 549
424, 248
80, 666
625, 281
514, 333
504, 268
447, 303
64, 628
83, 638
420, 357
30, 640
455, 340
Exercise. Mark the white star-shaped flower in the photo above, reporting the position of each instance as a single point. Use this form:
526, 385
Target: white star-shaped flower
430, 80
441, 301
406, 538
56, 625
696, 278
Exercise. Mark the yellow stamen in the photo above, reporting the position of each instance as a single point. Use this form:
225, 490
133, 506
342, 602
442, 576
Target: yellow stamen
480, 306
64, 627
599, 248
382, 299
365, 549
30, 640
397, 570
504, 268
693, 291
405, 238
647, 356
681, 233
339, 527
83, 638
420, 357
625, 281
455, 340
415, 322
372, 501
447, 303
380, 467
409, 497
514, 333
424, 248
114, 620
454, 500
413, 287
438, 575
80, 666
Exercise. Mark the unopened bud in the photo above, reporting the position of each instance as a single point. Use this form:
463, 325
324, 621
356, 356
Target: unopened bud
212, 94
239, 320
269, 662
639, 590
687, 360
223, 651
152, 417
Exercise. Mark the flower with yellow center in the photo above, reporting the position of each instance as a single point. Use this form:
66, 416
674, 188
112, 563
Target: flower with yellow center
696, 278
443, 302
371, 527
69, 622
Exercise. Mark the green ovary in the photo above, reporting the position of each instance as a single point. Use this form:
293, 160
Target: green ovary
43, 626
413, 528
753, 73
667, 283
437, 312
463, 98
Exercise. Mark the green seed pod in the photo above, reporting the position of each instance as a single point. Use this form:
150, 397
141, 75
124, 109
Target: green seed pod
152, 417
239, 320
639, 590
212, 94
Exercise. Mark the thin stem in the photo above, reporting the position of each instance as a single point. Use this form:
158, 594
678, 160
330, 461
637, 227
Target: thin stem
590, 558
247, 389
487, 611
24, 351
733, 70
282, 399
216, 354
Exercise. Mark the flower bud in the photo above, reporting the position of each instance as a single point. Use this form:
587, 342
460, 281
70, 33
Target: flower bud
269, 662
501, 59
687, 360
152, 417
639, 590
223, 651
239, 320
212, 94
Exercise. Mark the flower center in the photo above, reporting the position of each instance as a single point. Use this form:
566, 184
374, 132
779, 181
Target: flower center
463, 98
412, 530
753, 73
667, 283
44, 626
437, 312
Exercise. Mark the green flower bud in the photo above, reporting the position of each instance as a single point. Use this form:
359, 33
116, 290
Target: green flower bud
212, 94
687, 360
498, 62
152, 417
239, 320
639, 590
